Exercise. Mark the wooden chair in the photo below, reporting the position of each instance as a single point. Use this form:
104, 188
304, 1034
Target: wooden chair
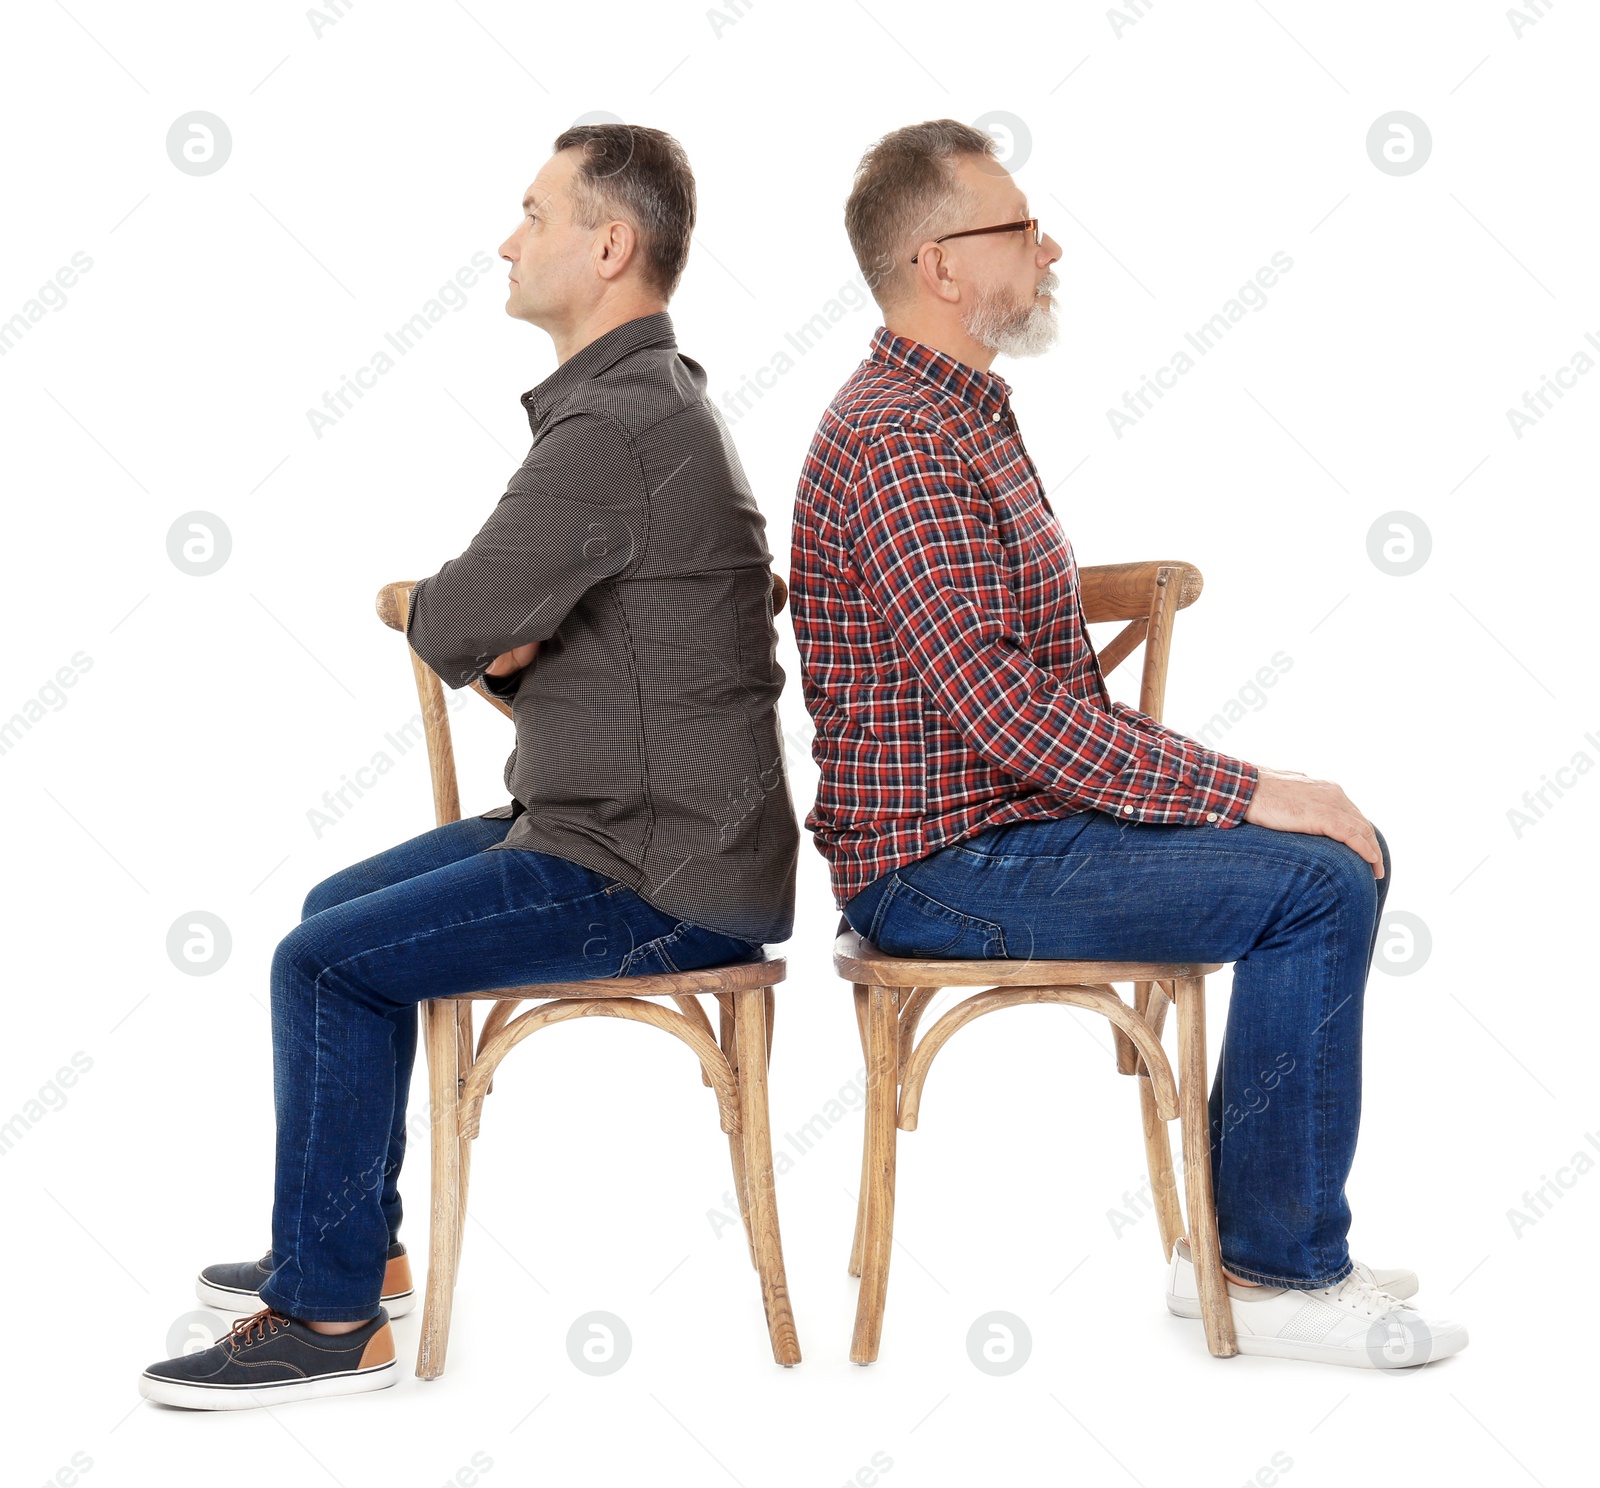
891, 993
459, 1079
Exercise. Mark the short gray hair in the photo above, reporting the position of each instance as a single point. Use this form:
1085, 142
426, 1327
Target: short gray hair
905, 192
642, 175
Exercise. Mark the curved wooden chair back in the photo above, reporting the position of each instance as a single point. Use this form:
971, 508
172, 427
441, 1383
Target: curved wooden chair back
1148, 596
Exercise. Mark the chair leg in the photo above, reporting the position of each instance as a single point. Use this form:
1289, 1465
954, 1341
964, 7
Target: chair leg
883, 1081
741, 1186
444, 1094
1157, 1139
464, 1057
859, 993
1127, 1055
464, 1170
1158, 1158
750, 1031
1203, 1241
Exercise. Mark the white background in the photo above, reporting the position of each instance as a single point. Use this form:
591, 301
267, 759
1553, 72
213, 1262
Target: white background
1171, 157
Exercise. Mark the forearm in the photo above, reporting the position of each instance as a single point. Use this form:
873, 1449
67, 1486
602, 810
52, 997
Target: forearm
436, 636
1021, 718
566, 523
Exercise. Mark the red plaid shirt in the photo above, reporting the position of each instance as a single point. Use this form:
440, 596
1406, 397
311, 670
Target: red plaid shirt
944, 657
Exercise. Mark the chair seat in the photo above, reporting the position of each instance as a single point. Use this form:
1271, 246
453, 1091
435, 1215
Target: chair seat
856, 959
736, 976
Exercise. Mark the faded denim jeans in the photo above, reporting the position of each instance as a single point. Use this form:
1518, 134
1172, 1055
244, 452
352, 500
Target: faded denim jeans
1297, 916
433, 916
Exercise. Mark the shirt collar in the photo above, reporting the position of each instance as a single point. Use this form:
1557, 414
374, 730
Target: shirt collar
603, 352
985, 391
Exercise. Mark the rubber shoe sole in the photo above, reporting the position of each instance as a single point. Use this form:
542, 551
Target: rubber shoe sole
1441, 1344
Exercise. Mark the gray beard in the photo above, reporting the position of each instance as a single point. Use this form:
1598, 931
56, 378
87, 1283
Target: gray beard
1000, 323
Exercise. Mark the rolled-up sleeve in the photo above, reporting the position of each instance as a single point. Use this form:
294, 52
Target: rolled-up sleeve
930, 559
571, 518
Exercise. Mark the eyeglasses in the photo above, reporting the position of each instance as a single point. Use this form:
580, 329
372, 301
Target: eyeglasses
1030, 224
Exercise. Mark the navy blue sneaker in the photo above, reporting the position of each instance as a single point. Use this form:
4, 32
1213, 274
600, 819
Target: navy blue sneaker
234, 1287
269, 1359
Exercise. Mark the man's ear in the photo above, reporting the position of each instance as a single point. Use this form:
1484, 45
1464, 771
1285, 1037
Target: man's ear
934, 270
615, 249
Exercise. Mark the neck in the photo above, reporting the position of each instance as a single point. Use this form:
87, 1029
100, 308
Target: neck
605, 316
942, 333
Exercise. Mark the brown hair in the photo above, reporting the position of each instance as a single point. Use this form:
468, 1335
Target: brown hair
642, 175
905, 192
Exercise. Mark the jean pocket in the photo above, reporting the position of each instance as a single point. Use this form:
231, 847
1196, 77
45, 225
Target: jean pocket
649, 959
989, 843
912, 923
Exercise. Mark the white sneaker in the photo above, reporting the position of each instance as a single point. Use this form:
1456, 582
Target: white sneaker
1352, 1322
1183, 1297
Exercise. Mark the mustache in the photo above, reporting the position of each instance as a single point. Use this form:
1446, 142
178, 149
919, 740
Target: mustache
1048, 285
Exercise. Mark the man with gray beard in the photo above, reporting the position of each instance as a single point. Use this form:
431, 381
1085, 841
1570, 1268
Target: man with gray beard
981, 795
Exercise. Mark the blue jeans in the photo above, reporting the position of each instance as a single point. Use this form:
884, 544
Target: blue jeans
1296, 915
433, 916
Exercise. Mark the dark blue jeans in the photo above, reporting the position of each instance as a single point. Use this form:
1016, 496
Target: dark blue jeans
1296, 915
433, 916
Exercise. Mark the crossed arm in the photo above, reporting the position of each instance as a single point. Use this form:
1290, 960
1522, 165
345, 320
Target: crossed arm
567, 521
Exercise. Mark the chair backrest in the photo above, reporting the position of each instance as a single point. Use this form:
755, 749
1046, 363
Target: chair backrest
394, 609
1148, 596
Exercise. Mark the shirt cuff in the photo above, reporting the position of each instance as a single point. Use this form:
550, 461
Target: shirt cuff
504, 686
1223, 788
1178, 781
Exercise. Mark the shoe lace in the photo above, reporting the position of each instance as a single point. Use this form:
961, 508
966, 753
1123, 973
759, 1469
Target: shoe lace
254, 1328
1365, 1296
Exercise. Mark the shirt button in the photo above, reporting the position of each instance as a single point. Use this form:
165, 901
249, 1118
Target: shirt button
1127, 811
1211, 816
995, 419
